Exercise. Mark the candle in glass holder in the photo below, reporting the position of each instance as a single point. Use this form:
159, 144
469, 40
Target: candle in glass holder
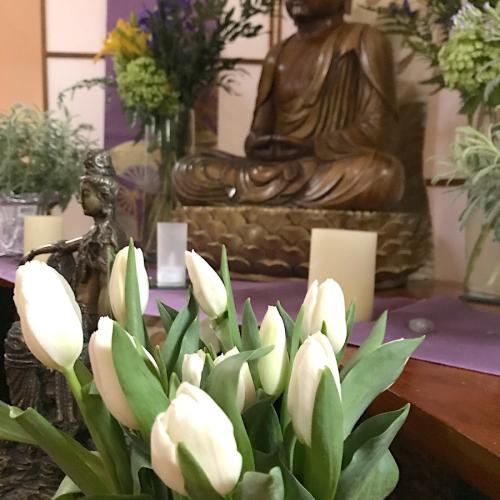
40, 230
172, 244
349, 258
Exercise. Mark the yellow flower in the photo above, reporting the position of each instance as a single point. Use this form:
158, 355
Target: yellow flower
125, 40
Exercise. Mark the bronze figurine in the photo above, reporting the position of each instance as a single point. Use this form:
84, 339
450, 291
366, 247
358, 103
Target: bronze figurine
25, 471
321, 131
88, 273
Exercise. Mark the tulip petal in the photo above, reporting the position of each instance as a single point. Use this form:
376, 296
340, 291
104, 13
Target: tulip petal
51, 320
105, 377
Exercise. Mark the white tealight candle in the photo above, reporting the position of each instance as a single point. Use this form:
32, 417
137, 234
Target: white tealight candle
40, 230
349, 257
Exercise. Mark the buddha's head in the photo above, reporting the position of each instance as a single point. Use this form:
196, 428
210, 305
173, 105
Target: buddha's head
310, 10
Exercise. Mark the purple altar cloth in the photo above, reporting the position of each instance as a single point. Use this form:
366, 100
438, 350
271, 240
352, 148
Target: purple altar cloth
463, 336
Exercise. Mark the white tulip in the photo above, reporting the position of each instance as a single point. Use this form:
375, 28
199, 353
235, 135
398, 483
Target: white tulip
208, 288
325, 304
51, 320
194, 419
117, 284
245, 395
314, 356
105, 377
192, 367
273, 367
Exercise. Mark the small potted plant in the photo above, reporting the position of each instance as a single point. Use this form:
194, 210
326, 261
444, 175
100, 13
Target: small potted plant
41, 158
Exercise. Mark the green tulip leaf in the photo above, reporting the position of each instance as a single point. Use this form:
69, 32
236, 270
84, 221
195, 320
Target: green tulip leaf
189, 345
293, 489
372, 342
83, 467
173, 385
296, 336
381, 480
375, 373
324, 457
135, 323
109, 439
288, 322
197, 484
263, 426
355, 478
143, 391
160, 363
139, 460
222, 386
142, 496
368, 429
167, 315
250, 338
232, 318
349, 320
172, 345
256, 485
10, 430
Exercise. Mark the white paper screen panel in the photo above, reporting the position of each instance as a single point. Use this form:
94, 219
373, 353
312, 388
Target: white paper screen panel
75, 25
87, 106
236, 110
249, 48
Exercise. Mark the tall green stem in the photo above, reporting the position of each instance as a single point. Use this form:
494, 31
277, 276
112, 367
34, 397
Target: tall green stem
106, 457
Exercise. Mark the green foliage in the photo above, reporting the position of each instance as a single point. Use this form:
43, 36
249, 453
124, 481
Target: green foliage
41, 153
460, 42
145, 88
476, 158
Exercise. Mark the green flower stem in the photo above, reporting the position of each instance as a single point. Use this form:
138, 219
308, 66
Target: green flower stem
76, 389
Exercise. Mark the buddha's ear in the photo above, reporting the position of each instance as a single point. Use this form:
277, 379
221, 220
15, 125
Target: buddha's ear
347, 6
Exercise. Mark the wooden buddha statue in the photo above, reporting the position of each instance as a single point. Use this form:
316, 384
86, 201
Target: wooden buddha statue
321, 131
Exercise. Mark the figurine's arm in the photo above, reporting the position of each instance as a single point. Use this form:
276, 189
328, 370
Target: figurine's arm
68, 246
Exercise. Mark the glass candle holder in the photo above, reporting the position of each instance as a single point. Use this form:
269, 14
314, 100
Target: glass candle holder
171, 246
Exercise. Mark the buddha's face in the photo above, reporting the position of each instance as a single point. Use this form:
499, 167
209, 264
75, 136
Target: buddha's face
89, 198
307, 10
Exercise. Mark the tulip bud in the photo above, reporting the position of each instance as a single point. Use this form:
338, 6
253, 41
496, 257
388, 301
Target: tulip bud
194, 419
117, 284
105, 377
314, 356
192, 367
208, 288
324, 304
246, 390
273, 367
51, 321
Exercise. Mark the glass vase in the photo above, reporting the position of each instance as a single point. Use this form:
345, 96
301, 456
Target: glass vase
482, 275
167, 140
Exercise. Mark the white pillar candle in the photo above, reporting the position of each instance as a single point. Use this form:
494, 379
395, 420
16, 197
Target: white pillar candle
349, 258
172, 244
42, 230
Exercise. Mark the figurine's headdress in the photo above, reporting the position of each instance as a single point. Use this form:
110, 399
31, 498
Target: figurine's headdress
98, 163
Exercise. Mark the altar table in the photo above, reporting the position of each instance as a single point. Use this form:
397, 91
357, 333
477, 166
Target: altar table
455, 414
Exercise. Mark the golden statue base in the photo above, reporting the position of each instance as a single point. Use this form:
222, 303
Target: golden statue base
273, 242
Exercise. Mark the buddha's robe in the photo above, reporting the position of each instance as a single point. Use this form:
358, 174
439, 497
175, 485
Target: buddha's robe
341, 122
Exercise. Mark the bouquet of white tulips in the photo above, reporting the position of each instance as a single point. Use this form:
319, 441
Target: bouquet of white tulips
217, 411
